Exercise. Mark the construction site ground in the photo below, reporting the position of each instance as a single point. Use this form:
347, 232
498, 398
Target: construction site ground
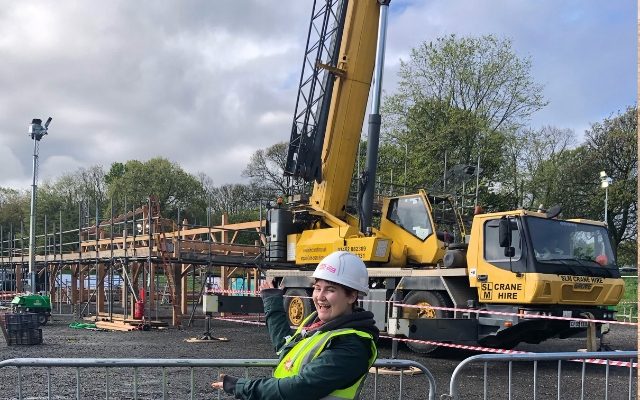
251, 341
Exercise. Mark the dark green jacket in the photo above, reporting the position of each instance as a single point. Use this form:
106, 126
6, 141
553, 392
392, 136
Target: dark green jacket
344, 360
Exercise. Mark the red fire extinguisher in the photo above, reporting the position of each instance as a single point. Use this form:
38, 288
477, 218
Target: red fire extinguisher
138, 310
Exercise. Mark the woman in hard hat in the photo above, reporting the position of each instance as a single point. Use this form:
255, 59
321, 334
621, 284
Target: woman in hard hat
330, 353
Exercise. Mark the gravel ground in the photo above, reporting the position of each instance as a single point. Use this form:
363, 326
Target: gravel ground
248, 341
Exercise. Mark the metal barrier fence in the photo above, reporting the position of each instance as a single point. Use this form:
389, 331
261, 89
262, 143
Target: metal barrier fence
593, 387
143, 384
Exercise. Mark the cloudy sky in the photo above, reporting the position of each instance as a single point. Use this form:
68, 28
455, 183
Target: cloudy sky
206, 83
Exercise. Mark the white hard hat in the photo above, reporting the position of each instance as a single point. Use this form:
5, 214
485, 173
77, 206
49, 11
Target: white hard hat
344, 268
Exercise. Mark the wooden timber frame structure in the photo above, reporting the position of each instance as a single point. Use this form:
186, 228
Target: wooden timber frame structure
136, 249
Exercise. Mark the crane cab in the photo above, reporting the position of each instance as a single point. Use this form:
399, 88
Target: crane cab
526, 258
423, 227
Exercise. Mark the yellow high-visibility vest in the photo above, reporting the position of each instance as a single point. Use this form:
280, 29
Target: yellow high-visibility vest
309, 348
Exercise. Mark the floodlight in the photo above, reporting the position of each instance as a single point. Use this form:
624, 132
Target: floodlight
605, 181
36, 130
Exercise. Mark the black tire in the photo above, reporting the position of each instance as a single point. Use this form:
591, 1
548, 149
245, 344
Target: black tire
296, 306
43, 318
425, 297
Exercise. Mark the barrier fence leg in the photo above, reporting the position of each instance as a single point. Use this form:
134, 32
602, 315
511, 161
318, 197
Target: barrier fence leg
592, 337
394, 343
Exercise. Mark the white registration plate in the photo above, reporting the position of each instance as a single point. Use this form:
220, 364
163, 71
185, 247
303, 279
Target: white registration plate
578, 324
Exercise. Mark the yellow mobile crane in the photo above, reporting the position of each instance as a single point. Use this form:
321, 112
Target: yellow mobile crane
506, 267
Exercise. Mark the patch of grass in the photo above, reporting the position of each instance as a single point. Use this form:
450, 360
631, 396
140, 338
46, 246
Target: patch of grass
627, 309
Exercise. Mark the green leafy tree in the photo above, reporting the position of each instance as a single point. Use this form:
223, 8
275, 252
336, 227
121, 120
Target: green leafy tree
174, 188
462, 97
482, 75
233, 199
530, 174
575, 188
69, 201
14, 210
57, 203
611, 146
614, 148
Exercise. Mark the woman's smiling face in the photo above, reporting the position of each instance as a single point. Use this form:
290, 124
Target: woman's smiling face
332, 300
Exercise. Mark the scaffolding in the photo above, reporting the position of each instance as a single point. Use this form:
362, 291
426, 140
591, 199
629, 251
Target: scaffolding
127, 267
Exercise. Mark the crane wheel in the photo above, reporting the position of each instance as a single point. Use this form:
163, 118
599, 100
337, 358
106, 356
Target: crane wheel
425, 298
297, 306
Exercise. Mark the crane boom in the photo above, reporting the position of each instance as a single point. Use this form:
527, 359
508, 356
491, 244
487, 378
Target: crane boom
314, 92
345, 109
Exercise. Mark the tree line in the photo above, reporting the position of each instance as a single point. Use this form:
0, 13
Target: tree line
461, 102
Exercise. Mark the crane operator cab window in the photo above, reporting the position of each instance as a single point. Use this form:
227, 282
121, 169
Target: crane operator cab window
410, 213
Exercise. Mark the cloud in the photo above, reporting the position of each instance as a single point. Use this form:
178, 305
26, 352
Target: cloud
57, 165
207, 83
12, 171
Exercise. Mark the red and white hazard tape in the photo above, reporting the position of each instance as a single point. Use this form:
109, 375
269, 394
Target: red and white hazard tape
474, 311
467, 310
457, 346
240, 321
599, 361
613, 363
242, 292
246, 317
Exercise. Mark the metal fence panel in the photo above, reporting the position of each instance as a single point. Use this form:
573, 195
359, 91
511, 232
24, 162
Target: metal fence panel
595, 375
93, 378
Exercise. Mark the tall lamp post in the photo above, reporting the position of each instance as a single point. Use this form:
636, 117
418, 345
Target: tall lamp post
37, 131
605, 181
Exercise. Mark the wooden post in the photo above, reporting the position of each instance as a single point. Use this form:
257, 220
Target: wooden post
74, 285
152, 284
100, 294
52, 284
19, 278
256, 274
184, 276
180, 296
